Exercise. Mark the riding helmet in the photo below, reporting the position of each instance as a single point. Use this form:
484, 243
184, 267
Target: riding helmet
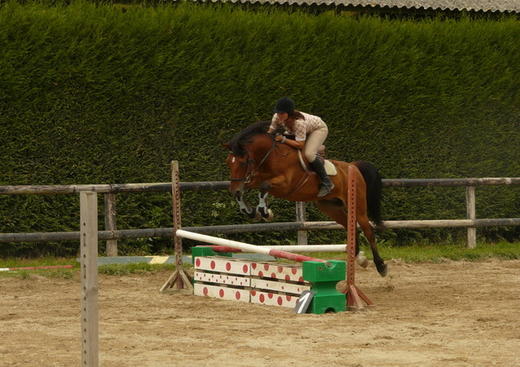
284, 104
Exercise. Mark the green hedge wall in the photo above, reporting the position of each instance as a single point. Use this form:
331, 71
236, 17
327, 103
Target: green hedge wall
100, 94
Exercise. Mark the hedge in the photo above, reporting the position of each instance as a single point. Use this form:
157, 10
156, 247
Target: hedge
97, 93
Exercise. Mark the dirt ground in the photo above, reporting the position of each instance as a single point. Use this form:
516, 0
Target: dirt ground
450, 314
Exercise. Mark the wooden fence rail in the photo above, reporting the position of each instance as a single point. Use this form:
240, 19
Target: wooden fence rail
250, 228
112, 234
222, 185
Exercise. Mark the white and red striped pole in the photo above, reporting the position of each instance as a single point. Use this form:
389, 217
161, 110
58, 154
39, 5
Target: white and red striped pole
290, 248
38, 267
245, 246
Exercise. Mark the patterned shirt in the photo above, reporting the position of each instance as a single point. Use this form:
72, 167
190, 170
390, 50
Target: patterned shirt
302, 127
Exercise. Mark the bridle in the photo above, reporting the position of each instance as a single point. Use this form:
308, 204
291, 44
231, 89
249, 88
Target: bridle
251, 170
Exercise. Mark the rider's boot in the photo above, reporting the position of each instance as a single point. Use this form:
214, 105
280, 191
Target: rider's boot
326, 184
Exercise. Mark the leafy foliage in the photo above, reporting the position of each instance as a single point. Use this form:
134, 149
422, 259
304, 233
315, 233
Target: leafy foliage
93, 94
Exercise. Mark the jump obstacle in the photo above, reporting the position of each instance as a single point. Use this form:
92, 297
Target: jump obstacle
233, 279
262, 282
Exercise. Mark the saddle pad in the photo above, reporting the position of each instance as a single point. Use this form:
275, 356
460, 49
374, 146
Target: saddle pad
330, 168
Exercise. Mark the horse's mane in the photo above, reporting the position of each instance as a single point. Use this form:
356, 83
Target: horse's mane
236, 144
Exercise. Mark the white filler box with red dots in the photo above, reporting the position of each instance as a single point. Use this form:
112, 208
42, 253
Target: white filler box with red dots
249, 281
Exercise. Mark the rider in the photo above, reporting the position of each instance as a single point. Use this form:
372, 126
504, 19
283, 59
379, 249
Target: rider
310, 132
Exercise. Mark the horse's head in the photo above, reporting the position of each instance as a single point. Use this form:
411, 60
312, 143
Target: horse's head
246, 162
238, 168
242, 160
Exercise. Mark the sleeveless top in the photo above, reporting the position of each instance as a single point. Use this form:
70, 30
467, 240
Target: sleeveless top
302, 127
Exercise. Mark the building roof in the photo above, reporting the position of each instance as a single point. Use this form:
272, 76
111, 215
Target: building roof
470, 5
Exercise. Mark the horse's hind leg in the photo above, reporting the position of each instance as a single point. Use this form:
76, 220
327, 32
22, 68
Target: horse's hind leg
335, 209
365, 225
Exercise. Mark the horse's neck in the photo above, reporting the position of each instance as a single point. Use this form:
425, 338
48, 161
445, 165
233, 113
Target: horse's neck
279, 158
284, 158
261, 147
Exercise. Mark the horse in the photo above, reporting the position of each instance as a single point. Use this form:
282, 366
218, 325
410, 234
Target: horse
257, 161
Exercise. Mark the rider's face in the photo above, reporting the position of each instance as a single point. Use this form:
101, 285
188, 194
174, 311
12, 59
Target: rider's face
282, 116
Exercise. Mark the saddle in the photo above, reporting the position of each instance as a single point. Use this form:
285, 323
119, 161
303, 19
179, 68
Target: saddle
330, 168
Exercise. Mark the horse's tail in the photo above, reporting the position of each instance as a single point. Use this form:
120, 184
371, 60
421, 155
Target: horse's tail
374, 190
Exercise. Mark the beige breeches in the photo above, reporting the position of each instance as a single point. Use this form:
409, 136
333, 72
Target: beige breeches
313, 143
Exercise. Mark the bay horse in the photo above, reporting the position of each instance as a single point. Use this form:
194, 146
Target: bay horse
257, 161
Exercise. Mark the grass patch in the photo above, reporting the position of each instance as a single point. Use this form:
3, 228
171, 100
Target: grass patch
408, 254
45, 261
139, 268
456, 252
14, 262
47, 273
438, 253
113, 269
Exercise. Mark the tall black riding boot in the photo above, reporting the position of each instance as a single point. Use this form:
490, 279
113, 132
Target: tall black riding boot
326, 184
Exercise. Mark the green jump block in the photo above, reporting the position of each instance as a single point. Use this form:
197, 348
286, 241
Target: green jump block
323, 278
333, 270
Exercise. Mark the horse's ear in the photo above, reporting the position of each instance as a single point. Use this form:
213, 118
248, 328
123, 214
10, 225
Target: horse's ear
226, 146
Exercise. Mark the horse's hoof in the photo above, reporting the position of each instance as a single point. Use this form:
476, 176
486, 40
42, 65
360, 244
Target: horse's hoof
269, 216
362, 259
253, 214
383, 270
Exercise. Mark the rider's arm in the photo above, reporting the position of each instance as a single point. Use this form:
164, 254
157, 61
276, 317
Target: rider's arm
295, 144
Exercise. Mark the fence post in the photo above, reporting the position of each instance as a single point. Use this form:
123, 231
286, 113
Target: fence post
300, 217
89, 286
356, 299
110, 222
179, 279
471, 214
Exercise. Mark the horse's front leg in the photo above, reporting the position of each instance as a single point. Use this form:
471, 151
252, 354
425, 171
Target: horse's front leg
242, 205
262, 209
